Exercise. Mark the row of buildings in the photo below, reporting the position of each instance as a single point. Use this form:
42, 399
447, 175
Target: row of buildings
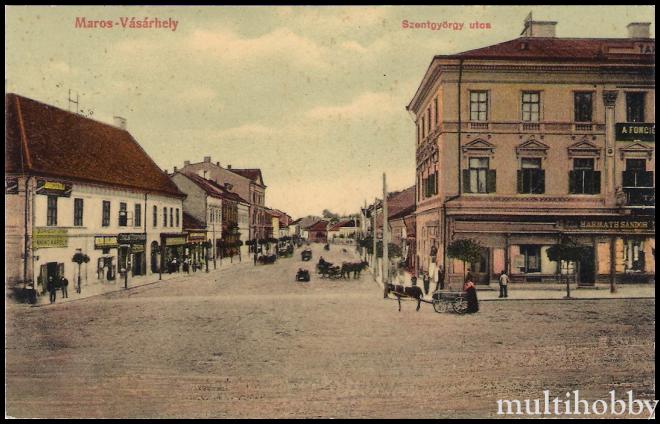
526, 143
76, 185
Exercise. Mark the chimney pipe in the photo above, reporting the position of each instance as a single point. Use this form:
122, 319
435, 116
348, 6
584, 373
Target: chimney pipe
639, 30
119, 122
186, 163
537, 29
228, 166
175, 169
207, 159
217, 164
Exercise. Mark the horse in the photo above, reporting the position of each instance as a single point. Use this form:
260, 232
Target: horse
355, 267
402, 291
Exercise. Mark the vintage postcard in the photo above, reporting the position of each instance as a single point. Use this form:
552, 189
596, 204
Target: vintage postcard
330, 212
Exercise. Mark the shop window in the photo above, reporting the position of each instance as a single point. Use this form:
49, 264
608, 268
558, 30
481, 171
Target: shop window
122, 214
138, 215
531, 178
78, 212
478, 106
106, 214
634, 256
531, 106
583, 107
583, 179
479, 178
635, 107
51, 212
532, 258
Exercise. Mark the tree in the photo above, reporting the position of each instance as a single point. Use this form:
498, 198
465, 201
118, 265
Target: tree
569, 251
465, 250
327, 214
79, 258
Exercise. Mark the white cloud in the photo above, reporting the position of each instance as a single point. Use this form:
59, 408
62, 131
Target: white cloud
367, 104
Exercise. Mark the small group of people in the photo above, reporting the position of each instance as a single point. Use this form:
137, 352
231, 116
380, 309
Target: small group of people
56, 283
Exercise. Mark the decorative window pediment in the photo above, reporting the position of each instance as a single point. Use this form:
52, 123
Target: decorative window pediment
532, 148
479, 147
584, 148
636, 150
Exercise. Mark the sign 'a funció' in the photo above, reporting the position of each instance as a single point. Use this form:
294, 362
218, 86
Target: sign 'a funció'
635, 131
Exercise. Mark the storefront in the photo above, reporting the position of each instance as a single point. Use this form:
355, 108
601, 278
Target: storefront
52, 265
133, 247
195, 249
106, 267
174, 247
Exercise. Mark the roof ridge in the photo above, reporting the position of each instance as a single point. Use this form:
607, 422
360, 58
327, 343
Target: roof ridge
23, 136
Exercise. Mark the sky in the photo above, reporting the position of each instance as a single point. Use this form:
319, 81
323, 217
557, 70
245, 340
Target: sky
314, 96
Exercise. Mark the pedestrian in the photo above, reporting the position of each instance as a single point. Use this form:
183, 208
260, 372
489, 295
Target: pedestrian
440, 284
64, 285
427, 282
52, 289
174, 265
471, 295
186, 266
413, 281
504, 283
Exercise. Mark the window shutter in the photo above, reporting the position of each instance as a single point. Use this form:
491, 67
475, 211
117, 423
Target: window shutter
520, 181
645, 179
436, 182
596, 182
540, 186
628, 178
466, 181
572, 182
491, 181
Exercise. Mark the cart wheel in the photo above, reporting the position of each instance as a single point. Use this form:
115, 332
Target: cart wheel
460, 306
439, 306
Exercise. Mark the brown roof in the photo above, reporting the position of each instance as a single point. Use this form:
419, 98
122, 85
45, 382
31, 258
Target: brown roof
213, 189
349, 223
552, 48
191, 223
253, 174
319, 226
44, 140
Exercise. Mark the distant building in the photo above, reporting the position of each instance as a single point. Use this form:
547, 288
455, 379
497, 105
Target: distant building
73, 184
343, 230
318, 232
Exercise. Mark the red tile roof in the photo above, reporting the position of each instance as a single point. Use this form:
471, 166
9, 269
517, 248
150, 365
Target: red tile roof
347, 223
564, 49
319, 226
44, 140
253, 174
214, 190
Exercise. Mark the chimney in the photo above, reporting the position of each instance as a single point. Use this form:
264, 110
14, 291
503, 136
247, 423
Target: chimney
539, 29
175, 169
119, 122
217, 164
166, 172
186, 163
228, 166
639, 30
207, 159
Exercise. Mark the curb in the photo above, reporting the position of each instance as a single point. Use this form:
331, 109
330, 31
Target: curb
564, 299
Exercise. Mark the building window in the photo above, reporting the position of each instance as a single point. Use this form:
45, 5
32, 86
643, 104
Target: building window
583, 179
78, 212
430, 184
635, 107
106, 214
138, 215
531, 178
171, 217
155, 217
478, 178
122, 214
164, 217
531, 106
177, 217
423, 128
583, 106
636, 174
532, 255
51, 213
634, 255
437, 112
478, 105
428, 120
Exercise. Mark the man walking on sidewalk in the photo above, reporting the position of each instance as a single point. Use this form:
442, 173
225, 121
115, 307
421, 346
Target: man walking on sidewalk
504, 282
52, 289
64, 284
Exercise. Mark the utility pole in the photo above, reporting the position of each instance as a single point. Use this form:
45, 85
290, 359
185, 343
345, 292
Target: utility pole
386, 258
374, 258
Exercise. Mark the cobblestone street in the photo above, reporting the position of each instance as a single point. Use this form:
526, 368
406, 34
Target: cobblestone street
249, 341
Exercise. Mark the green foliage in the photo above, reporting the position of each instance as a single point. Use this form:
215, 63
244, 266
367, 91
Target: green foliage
466, 250
80, 258
567, 250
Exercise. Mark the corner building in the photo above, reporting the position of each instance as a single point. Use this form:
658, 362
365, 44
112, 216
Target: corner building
525, 143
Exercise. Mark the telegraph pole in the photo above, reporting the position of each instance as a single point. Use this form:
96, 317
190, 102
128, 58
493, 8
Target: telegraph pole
386, 259
374, 257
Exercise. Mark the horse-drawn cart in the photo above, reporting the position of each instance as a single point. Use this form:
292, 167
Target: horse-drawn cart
445, 301
306, 255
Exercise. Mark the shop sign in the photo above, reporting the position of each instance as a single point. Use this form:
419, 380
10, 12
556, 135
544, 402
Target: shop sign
43, 238
131, 238
196, 236
175, 241
105, 242
53, 188
11, 185
615, 224
635, 131
137, 248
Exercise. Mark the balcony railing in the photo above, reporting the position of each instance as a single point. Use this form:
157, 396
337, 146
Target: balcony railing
638, 197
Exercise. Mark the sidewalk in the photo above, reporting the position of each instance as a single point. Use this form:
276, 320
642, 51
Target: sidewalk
543, 291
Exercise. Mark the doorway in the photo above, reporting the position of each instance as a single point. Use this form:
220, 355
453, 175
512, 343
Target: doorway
481, 270
587, 268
